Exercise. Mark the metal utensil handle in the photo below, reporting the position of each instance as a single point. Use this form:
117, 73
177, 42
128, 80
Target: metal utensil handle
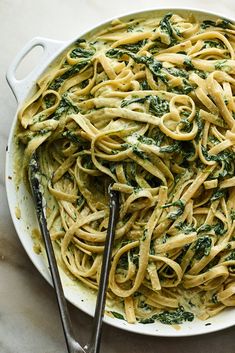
72, 345
20, 88
94, 344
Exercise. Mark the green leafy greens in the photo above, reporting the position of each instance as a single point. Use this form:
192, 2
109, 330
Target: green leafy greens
173, 317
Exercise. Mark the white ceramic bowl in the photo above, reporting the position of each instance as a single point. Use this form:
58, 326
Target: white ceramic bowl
18, 197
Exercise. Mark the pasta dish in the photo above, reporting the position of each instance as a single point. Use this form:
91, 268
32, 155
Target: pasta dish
147, 105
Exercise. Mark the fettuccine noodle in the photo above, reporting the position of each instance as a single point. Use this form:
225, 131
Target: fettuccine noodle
148, 105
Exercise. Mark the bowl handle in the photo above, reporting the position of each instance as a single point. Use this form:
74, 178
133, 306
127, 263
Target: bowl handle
21, 87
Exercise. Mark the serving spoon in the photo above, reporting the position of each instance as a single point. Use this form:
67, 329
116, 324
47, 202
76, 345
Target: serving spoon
73, 346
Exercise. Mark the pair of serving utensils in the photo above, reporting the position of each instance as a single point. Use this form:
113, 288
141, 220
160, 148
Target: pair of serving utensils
73, 345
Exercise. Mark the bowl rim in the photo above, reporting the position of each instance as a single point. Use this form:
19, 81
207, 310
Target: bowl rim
11, 187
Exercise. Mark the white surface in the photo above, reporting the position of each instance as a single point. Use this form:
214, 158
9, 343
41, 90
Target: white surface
29, 320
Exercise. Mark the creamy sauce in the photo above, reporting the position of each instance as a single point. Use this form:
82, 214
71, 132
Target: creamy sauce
17, 212
149, 105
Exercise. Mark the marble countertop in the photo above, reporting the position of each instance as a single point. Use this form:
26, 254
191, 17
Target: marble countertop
29, 320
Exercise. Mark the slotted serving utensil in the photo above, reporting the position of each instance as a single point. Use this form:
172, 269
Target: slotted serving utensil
73, 346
